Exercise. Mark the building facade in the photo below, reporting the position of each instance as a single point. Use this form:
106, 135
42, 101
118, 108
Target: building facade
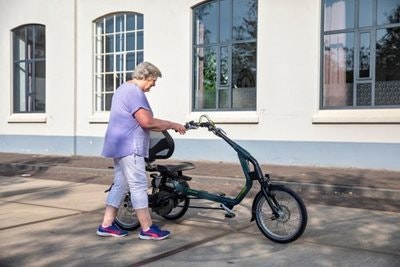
311, 82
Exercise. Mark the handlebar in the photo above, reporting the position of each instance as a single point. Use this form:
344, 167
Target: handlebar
191, 125
209, 124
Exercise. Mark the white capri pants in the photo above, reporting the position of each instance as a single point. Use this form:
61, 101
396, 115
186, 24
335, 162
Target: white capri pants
129, 174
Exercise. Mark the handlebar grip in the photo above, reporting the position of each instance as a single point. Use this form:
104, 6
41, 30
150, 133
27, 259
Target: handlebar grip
191, 125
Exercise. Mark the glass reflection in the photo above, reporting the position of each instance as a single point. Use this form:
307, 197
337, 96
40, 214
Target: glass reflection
388, 12
365, 55
206, 24
365, 13
387, 87
244, 19
338, 69
339, 14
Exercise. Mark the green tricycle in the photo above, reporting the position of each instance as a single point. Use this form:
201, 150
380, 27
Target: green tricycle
279, 211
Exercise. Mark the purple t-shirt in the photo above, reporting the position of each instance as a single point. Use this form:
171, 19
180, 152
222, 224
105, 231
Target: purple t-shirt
124, 136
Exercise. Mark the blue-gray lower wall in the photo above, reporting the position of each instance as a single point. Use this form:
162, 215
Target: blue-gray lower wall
327, 154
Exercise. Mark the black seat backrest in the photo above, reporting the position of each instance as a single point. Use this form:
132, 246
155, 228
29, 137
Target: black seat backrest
162, 146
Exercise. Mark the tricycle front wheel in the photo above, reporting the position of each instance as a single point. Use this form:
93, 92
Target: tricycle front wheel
291, 219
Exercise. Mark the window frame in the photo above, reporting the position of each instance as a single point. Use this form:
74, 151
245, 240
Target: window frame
101, 96
357, 80
31, 88
218, 46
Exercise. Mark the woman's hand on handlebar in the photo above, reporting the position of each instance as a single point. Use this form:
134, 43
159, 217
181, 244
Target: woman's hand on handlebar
178, 128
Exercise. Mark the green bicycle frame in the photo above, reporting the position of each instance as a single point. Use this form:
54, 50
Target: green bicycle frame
245, 158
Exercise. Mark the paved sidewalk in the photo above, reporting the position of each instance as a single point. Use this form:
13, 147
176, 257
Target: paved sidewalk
361, 188
53, 223
50, 207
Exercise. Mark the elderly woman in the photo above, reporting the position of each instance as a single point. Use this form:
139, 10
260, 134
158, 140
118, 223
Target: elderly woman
127, 142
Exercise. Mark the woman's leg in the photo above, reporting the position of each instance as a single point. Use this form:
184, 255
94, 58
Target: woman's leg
116, 195
134, 169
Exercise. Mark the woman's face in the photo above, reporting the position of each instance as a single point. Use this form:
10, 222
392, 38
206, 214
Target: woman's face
148, 83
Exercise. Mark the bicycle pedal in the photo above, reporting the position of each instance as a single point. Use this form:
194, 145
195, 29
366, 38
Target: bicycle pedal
228, 212
230, 215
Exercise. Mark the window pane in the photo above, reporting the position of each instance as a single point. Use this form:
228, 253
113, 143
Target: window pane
387, 87
365, 13
130, 61
388, 11
244, 76
364, 94
139, 19
244, 65
40, 42
223, 99
19, 87
109, 43
339, 14
40, 86
130, 41
119, 63
119, 79
100, 26
244, 19
224, 67
110, 24
139, 57
109, 82
388, 54
109, 63
119, 23
338, 70
205, 83
365, 55
225, 21
119, 42
139, 40
130, 22
29, 73
206, 21
29, 42
108, 101
19, 44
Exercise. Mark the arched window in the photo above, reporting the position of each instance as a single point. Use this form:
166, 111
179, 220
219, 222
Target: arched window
29, 69
225, 55
118, 43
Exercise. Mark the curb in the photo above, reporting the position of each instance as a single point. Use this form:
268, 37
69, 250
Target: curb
17, 167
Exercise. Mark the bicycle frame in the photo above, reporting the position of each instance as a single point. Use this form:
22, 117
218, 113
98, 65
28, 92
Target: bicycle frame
245, 159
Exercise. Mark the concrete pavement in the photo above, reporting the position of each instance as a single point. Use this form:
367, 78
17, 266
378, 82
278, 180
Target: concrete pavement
50, 207
53, 223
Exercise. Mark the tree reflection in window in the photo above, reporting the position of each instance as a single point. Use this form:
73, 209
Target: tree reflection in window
377, 45
224, 45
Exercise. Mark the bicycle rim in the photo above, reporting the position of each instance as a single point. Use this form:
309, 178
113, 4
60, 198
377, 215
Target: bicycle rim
292, 219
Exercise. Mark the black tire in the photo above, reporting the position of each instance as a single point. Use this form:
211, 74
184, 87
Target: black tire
179, 210
292, 221
126, 216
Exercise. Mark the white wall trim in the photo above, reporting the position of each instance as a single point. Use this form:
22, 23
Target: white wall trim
372, 116
27, 118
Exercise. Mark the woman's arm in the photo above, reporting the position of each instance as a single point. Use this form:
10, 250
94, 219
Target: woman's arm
146, 120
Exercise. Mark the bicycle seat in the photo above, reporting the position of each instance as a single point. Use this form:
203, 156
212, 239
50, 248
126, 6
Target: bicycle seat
179, 167
162, 146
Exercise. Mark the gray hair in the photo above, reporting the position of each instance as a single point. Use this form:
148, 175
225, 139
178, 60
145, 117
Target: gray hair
146, 70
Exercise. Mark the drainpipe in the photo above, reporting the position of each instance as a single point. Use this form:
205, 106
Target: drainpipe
75, 111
